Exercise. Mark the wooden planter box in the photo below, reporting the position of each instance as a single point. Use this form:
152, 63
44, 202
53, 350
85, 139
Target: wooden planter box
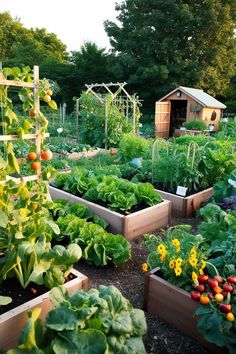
186, 206
173, 305
130, 226
13, 321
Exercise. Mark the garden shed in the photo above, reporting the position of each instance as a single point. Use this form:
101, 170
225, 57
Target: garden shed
185, 104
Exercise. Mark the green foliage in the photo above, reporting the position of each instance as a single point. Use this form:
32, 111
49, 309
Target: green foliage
152, 56
99, 247
200, 140
214, 327
118, 194
178, 253
92, 121
225, 188
195, 167
195, 124
93, 322
227, 129
132, 146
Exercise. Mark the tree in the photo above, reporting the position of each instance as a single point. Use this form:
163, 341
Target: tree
92, 64
161, 44
22, 46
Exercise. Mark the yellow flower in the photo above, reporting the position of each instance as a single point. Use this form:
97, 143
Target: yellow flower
203, 264
193, 252
144, 267
201, 272
178, 271
162, 257
178, 262
193, 261
175, 242
161, 248
171, 264
194, 277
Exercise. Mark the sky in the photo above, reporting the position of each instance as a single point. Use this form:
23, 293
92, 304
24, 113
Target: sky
73, 21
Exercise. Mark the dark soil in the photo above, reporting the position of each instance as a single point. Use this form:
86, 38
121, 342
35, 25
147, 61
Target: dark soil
129, 279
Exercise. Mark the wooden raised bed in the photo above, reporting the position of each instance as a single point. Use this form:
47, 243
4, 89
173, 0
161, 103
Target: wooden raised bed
186, 206
173, 305
130, 226
13, 321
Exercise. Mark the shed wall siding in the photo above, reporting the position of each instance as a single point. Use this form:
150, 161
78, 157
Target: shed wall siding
206, 116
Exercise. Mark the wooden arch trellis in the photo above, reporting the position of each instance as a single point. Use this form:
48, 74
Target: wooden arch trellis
119, 87
37, 136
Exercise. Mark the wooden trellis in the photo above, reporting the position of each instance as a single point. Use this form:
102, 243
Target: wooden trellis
37, 135
120, 88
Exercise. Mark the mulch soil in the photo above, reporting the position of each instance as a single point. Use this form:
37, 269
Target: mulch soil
129, 279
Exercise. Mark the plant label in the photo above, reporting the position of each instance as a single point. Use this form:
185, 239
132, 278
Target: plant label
181, 191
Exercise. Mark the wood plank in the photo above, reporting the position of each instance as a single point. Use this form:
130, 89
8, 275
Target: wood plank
186, 206
130, 226
175, 306
147, 220
24, 137
16, 83
13, 321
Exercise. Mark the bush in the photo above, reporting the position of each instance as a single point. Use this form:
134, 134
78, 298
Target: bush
195, 124
132, 146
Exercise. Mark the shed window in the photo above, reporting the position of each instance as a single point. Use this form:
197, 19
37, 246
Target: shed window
213, 115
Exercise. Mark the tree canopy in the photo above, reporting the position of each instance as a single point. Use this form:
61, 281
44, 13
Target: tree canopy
161, 44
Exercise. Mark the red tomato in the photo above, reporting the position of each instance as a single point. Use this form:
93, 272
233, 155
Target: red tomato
46, 155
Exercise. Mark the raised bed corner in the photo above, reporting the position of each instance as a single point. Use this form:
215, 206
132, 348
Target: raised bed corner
13, 321
186, 206
175, 306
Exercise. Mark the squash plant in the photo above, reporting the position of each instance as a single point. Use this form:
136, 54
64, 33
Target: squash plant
98, 321
26, 230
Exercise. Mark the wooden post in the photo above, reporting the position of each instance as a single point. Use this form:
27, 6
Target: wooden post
106, 123
37, 109
134, 116
77, 121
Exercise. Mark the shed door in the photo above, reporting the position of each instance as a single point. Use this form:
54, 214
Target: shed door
162, 119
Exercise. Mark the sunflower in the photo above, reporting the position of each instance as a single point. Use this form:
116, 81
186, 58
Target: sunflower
171, 264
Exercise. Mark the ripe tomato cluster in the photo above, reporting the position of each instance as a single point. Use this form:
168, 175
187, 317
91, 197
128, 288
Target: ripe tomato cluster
44, 155
218, 291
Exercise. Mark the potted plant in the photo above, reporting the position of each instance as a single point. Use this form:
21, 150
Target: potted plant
195, 124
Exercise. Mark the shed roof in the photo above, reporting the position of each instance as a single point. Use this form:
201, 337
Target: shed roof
200, 96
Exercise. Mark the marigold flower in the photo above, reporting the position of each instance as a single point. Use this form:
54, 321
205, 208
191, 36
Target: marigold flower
178, 262
175, 242
194, 277
178, 271
162, 257
171, 264
144, 267
193, 252
161, 248
193, 261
